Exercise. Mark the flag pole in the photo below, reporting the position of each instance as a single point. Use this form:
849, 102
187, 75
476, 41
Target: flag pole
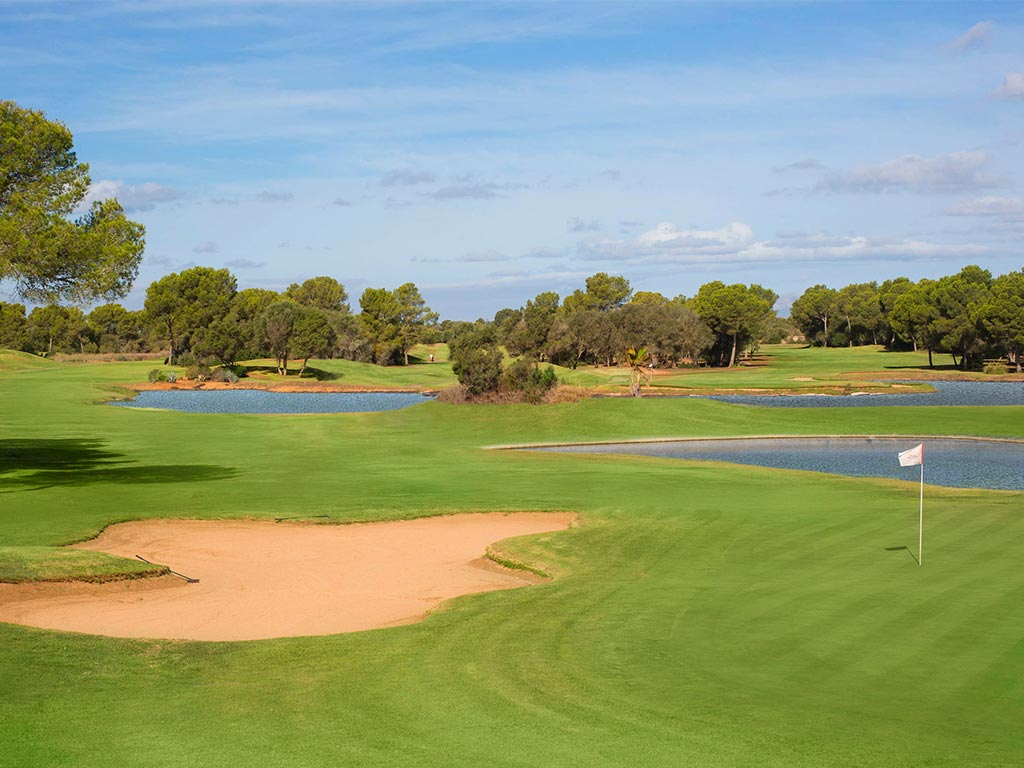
920, 529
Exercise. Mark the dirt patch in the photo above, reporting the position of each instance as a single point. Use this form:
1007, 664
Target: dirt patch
260, 579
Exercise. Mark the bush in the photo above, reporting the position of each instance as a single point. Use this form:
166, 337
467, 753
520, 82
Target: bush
995, 367
479, 370
185, 359
172, 377
156, 375
198, 372
529, 379
567, 394
224, 376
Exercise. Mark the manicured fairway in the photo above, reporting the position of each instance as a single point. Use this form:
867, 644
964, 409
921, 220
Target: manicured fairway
701, 614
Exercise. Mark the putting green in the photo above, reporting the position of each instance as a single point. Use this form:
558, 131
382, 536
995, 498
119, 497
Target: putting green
700, 614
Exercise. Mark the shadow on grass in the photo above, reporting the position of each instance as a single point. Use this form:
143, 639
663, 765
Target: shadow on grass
903, 548
62, 454
293, 373
31, 465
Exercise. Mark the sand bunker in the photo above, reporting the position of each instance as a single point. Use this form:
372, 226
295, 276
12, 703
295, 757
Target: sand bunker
260, 580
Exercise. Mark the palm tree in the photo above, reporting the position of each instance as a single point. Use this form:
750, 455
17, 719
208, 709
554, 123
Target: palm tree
637, 359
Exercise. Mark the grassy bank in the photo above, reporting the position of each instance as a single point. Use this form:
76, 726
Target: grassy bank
700, 614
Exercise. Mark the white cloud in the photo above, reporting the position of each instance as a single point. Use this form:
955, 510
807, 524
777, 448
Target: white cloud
133, 197
666, 237
974, 38
1012, 87
735, 244
953, 172
1011, 208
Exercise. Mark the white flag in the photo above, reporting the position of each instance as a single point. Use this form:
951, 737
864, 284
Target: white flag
912, 457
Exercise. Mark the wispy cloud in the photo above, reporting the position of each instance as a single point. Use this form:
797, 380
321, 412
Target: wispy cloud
953, 172
545, 253
1009, 208
807, 164
735, 244
133, 197
482, 257
206, 246
1012, 88
473, 191
974, 38
274, 197
244, 264
407, 178
576, 224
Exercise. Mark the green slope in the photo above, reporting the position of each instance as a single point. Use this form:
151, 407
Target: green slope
701, 614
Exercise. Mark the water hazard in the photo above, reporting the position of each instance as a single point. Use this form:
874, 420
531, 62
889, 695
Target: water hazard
946, 393
259, 401
954, 463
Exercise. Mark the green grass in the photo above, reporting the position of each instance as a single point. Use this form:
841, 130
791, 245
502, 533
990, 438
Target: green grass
701, 614
787, 367
18, 361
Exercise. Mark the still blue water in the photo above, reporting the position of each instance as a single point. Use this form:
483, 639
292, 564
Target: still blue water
956, 463
258, 401
947, 393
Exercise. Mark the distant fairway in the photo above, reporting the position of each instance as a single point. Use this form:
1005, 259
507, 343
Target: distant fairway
701, 614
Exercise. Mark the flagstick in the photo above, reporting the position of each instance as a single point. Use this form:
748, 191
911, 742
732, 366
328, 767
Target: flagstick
920, 530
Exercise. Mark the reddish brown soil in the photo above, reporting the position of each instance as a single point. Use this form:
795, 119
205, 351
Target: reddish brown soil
261, 579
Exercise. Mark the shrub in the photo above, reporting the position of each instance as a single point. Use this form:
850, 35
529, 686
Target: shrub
224, 376
995, 367
157, 375
185, 359
567, 394
528, 379
198, 372
171, 377
456, 394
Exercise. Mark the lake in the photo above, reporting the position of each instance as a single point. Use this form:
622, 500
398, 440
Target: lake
260, 401
946, 393
956, 463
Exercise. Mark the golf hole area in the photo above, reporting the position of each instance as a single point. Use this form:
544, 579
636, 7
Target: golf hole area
260, 580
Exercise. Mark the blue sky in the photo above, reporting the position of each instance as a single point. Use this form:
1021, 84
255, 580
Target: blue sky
488, 152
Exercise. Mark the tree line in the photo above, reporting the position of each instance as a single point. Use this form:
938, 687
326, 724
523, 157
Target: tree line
199, 316
970, 315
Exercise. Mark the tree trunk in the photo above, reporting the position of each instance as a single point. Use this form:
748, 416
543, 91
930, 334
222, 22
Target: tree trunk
963, 357
732, 357
955, 363
1016, 358
405, 354
849, 332
302, 370
929, 351
930, 363
49, 349
825, 319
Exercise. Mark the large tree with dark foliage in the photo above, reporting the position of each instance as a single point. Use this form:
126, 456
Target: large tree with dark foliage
47, 254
